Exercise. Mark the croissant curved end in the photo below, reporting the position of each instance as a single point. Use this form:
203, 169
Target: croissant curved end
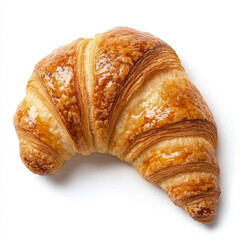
40, 161
46, 166
203, 210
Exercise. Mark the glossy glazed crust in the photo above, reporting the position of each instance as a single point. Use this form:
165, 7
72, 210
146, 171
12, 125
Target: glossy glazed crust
123, 92
166, 104
58, 74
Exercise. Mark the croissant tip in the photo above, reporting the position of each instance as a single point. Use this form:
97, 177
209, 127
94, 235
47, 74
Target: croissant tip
203, 211
40, 169
39, 162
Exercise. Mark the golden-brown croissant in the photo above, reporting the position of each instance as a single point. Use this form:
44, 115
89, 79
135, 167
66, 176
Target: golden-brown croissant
123, 92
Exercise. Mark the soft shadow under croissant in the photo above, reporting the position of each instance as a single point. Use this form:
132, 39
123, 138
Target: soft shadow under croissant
124, 92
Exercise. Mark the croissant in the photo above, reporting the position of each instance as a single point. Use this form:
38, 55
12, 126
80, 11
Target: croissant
123, 92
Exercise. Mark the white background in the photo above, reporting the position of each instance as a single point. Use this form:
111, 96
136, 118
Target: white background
99, 197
